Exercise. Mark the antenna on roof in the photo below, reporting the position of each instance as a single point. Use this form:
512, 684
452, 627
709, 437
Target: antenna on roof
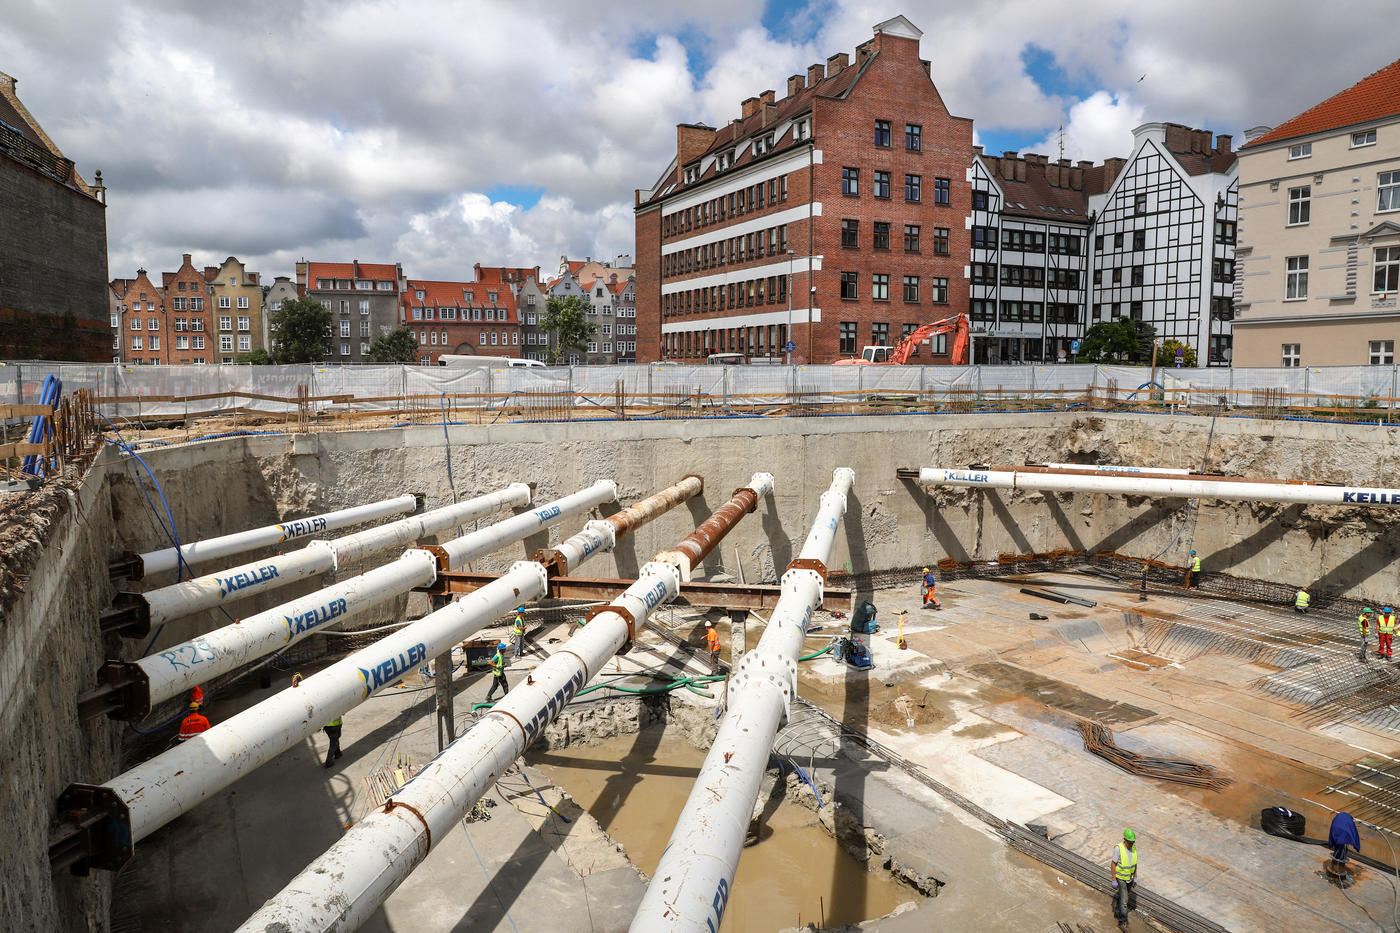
1061, 137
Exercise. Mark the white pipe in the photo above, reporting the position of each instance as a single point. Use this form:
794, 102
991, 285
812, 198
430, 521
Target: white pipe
201, 552
158, 790
181, 599
342, 888
1163, 488
199, 660
690, 887
1109, 468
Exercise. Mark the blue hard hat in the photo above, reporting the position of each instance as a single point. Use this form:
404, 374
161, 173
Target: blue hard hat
519, 608
500, 644
1388, 609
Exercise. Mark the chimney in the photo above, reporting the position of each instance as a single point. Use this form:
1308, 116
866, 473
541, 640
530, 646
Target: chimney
1052, 174
836, 63
1008, 166
864, 51
1009, 154
1222, 142
1076, 177
1020, 169
928, 67
1083, 164
976, 150
795, 84
815, 73
766, 97
691, 142
769, 109
748, 108
1254, 132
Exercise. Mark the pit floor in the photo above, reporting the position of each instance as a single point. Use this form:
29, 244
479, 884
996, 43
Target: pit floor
994, 697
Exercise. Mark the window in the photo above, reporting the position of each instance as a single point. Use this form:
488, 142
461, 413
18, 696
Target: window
1139, 240
1364, 138
176, 304
226, 343
225, 301
882, 185
984, 273
364, 328
1297, 284
225, 322
848, 338
345, 328
1299, 205
984, 238
940, 241
1139, 204
243, 302
880, 286
979, 200
482, 337
1135, 310
801, 130
1387, 276
1292, 355
913, 137
911, 238
882, 133
850, 234
1137, 275
135, 323
1223, 270
1117, 276
154, 342
196, 304
880, 334
850, 182
182, 343
1118, 241
913, 187
882, 234
275, 306
364, 306
1382, 352
911, 288
244, 323
1388, 188
1225, 231
1300, 151
942, 191
939, 292
848, 285
199, 342
137, 343
592, 347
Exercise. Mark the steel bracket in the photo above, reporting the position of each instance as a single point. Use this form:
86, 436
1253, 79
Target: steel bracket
626, 617
123, 693
809, 564
129, 566
130, 616
92, 830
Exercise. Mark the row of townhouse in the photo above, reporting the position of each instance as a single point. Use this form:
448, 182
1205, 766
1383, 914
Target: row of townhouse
207, 315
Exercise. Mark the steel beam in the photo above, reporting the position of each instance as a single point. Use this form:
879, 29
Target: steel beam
695, 593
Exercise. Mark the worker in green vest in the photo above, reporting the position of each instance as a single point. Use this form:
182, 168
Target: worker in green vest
1193, 579
332, 731
498, 672
1363, 625
1124, 868
517, 632
1301, 600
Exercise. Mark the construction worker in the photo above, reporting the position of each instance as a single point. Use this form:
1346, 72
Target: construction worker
332, 731
926, 590
1363, 625
197, 696
1301, 600
1124, 869
193, 724
1193, 579
712, 644
1385, 627
517, 631
498, 672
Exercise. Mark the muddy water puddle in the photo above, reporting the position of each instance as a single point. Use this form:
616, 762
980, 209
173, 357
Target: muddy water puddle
635, 786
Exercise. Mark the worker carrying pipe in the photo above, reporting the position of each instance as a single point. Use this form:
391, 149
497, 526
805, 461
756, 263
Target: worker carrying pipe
227, 586
347, 884
202, 552
690, 887
145, 798
157, 677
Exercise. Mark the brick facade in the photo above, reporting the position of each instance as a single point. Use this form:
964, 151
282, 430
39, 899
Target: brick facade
747, 208
461, 318
189, 335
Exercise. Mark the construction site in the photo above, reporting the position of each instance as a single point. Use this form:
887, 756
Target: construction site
686, 674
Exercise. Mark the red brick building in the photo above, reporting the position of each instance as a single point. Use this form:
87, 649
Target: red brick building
140, 327
845, 201
468, 318
187, 339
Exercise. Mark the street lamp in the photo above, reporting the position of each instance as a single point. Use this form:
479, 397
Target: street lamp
787, 335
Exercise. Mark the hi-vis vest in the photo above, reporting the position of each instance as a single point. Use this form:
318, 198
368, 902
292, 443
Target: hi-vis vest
1301, 600
335, 723
498, 663
1362, 623
519, 627
1127, 863
1386, 623
1195, 565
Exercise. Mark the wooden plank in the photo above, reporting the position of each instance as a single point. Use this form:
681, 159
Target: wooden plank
24, 411
22, 450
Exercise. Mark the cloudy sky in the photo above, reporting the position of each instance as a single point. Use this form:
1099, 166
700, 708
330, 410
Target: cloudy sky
443, 133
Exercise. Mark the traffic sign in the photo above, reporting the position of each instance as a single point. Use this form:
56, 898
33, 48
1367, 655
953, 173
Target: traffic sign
1074, 346
789, 347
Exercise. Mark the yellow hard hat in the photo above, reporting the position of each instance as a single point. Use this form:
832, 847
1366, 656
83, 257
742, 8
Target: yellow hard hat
925, 570
194, 706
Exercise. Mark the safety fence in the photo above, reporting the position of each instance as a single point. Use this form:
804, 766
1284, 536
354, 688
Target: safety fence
331, 396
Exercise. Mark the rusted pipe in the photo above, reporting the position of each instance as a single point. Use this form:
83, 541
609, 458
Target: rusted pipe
699, 543
635, 516
603, 534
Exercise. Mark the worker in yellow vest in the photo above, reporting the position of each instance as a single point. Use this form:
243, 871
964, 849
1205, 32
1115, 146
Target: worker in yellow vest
517, 631
332, 731
498, 672
1301, 600
1363, 625
1124, 868
1193, 579
1385, 627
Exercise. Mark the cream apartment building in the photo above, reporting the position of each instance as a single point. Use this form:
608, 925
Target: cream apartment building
1318, 260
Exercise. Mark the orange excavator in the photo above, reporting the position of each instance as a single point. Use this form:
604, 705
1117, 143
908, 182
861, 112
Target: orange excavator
957, 325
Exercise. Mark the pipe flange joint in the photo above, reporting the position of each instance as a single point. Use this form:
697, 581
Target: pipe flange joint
539, 571
611, 484
668, 572
762, 484
796, 574
779, 673
517, 488
605, 530
833, 501
844, 473
329, 548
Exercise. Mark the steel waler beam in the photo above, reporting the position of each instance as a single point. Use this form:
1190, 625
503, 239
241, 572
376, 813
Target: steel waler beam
129, 689
135, 566
690, 887
318, 557
157, 791
347, 884
695, 593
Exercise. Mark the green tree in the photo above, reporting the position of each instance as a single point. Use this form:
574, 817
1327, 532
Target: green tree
258, 357
567, 319
1121, 340
1166, 354
397, 346
301, 331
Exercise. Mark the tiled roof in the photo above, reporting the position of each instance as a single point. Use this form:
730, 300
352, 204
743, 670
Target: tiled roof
453, 295
1036, 197
620, 286
1372, 98
351, 270
1205, 163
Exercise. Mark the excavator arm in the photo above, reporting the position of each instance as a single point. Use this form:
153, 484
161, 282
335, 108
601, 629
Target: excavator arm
957, 325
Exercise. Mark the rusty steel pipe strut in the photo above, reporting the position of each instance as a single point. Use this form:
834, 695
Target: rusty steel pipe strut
130, 688
697, 545
157, 791
690, 887
348, 883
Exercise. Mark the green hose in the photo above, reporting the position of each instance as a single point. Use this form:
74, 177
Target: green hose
816, 654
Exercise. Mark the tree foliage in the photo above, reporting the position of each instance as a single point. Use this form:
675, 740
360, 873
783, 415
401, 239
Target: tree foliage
567, 319
301, 331
397, 346
258, 357
1166, 354
1122, 340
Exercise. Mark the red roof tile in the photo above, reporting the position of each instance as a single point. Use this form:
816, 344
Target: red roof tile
1372, 98
352, 270
453, 295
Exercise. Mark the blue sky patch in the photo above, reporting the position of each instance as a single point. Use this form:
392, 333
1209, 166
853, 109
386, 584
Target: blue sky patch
522, 196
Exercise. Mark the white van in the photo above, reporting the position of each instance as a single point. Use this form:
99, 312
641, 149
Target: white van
486, 362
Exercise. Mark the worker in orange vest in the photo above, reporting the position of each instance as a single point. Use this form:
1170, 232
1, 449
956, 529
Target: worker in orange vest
193, 724
712, 643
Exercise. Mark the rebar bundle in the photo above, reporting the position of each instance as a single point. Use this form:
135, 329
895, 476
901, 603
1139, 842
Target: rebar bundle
1098, 739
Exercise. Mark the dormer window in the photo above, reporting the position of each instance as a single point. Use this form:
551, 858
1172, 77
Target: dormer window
692, 175
726, 161
802, 129
762, 144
